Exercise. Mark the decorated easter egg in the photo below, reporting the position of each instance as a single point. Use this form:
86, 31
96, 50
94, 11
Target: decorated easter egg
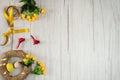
10, 67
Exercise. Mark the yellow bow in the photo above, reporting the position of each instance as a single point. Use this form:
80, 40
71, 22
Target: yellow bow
10, 16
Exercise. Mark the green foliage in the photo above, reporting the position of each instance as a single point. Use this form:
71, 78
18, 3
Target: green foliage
37, 70
29, 7
29, 2
29, 62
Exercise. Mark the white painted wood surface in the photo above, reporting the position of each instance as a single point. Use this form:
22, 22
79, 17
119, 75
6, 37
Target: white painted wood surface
79, 39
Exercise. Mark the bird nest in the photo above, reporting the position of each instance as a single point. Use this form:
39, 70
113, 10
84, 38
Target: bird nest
3, 62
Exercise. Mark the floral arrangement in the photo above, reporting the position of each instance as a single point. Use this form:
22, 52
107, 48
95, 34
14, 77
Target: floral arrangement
30, 11
39, 68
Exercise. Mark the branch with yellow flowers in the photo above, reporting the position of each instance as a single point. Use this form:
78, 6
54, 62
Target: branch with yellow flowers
28, 60
30, 11
39, 68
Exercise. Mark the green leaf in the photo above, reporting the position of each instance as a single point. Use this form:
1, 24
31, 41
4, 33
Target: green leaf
24, 8
37, 70
28, 2
25, 1
37, 11
29, 62
29, 7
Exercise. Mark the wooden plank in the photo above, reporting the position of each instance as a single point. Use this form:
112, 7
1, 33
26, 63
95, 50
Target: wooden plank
111, 21
116, 43
51, 29
65, 52
94, 39
82, 41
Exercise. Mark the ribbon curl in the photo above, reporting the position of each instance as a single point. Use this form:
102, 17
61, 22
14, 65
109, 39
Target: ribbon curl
10, 16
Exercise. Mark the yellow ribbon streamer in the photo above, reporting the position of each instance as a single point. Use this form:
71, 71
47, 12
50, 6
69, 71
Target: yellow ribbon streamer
10, 16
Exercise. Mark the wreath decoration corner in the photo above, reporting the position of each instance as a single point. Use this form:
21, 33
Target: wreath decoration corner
27, 61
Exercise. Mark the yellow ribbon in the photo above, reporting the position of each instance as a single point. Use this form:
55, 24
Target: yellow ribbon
10, 16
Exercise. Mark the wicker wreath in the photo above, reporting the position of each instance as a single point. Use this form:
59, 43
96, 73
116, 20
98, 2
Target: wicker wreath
4, 61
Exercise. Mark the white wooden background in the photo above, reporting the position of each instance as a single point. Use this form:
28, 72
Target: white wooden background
79, 39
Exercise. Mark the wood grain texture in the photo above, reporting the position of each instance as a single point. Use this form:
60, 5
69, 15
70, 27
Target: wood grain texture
79, 39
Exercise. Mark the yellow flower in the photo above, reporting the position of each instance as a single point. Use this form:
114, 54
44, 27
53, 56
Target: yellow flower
30, 20
34, 15
27, 56
44, 72
42, 11
24, 60
43, 68
38, 62
23, 16
28, 17
33, 18
33, 58
41, 65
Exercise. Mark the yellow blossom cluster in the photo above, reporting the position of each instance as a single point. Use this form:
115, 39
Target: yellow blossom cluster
42, 11
32, 17
29, 57
42, 67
